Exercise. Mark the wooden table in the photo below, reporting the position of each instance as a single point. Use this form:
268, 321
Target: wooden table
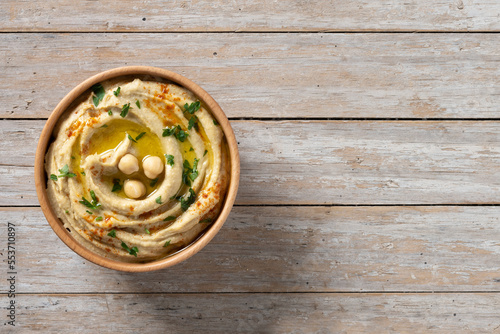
369, 136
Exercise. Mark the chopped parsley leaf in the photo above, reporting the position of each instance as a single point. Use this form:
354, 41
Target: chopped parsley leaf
140, 135
215, 123
116, 185
89, 212
177, 131
112, 234
192, 122
205, 153
194, 172
92, 194
53, 177
83, 173
167, 243
132, 139
147, 231
208, 220
132, 251
170, 159
181, 135
94, 205
110, 112
168, 131
186, 203
169, 218
104, 126
195, 106
98, 90
125, 109
158, 200
153, 182
65, 172
138, 104
98, 219
117, 91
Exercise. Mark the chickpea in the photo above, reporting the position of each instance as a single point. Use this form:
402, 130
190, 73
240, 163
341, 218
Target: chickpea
153, 166
134, 188
128, 164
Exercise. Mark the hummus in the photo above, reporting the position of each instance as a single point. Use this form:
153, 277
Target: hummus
106, 194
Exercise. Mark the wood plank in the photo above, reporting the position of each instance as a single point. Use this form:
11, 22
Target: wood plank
259, 313
161, 16
271, 75
326, 162
287, 249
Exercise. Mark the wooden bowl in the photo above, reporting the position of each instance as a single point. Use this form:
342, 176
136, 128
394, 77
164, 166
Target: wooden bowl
41, 177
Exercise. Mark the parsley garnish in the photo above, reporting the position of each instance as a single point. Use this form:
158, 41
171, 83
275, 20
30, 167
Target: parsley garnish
194, 173
132, 139
147, 231
138, 104
112, 234
104, 126
64, 173
181, 135
158, 200
215, 123
94, 205
190, 174
140, 135
167, 243
83, 173
208, 220
169, 218
195, 106
192, 122
170, 159
186, 203
132, 251
110, 112
116, 185
98, 219
72, 157
66, 211
205, 153
177, 131
169, 131
191, 149
185, 173
153, 182
89, 212
99, 93
125, 109
117, 91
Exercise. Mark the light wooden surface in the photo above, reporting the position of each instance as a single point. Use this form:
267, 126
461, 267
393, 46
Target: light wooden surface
369, 140
257, 75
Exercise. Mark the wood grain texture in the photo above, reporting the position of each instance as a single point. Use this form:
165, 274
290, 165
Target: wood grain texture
271, 75
250, 15
259, 313
288, 249
327, 162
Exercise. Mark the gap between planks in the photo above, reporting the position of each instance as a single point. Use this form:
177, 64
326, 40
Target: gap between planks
313, 31
322, 119
423, 292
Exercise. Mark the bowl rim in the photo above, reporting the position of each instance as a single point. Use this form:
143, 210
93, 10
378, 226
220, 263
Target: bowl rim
40, 176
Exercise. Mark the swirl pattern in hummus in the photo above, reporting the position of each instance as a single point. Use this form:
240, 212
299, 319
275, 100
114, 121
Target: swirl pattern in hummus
142, 118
